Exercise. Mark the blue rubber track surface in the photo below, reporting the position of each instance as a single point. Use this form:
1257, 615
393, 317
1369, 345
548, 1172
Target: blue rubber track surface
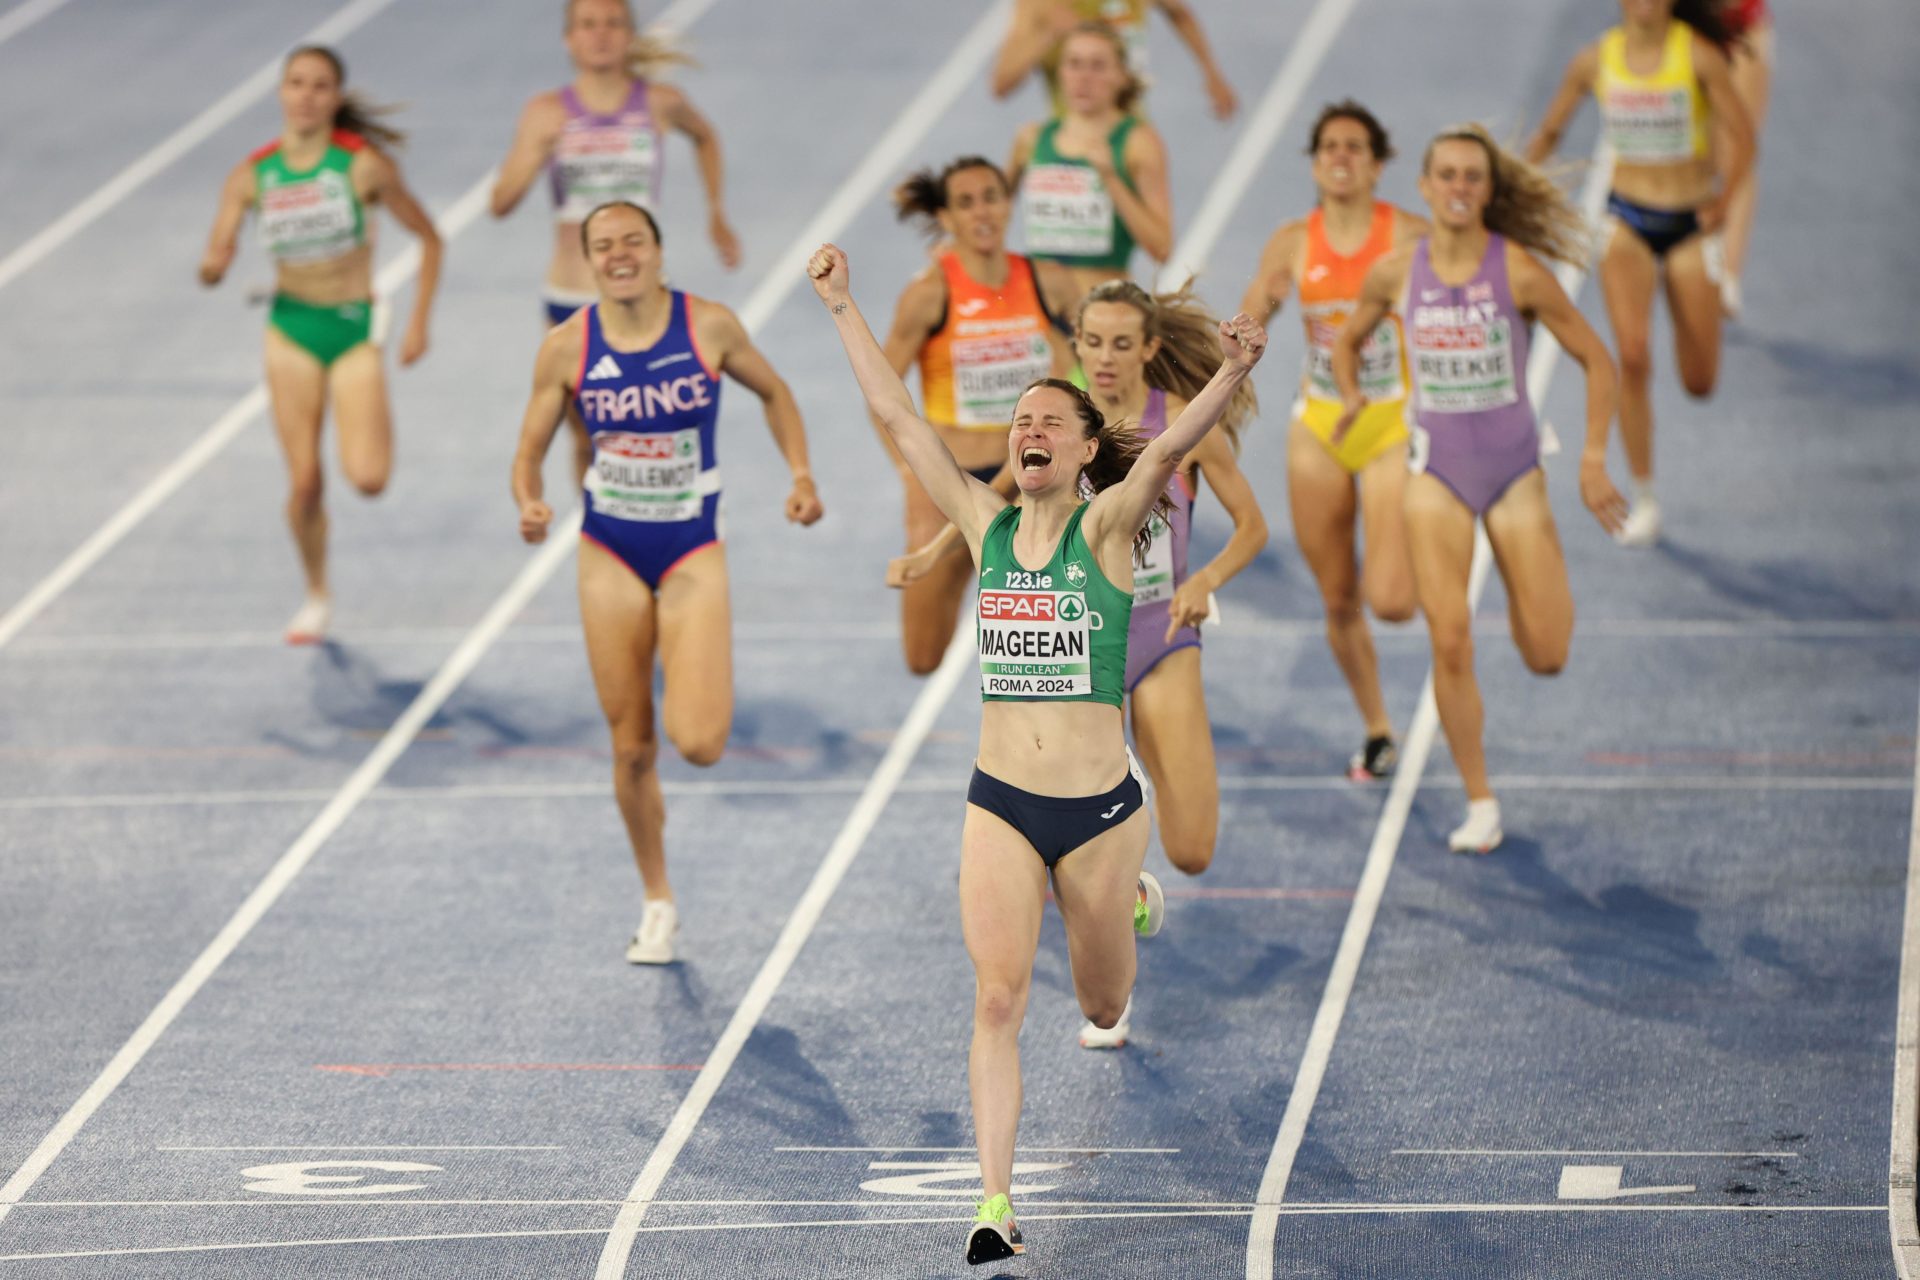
1653, 1036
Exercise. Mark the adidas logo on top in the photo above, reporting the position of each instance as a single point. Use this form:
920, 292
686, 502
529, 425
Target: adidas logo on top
604, 368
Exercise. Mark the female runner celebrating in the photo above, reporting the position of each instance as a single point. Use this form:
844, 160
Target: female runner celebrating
1145, 357
1093, 179
1665, 91
642, 370
1033, 40
603, 138
981, 323
1054, 796
1470, 292
1326, 255
311, 188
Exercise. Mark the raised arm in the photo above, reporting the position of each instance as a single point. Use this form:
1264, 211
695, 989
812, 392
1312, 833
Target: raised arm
559, 358
540, 124
1036, 27
1540, 296
680, 113
387, 186
1220, 94
735, 355
961, 498
236, 197
1575, 85
1122, 509
1273, 278
1383, 284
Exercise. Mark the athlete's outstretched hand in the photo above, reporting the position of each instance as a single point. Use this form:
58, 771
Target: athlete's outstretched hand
828, 269
803, 503
904, 571
535, 516
1242, 340
725, 243
1188, 608
414, 344
1597, 491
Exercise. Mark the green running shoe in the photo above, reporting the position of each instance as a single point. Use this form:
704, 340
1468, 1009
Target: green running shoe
1149, 906
995, 1236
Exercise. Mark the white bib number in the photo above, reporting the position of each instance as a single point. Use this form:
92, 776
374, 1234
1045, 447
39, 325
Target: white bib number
311, 220
1068, 211
652, 478
1467, 369
1035, 644
1153, 578
601, 165
989, 373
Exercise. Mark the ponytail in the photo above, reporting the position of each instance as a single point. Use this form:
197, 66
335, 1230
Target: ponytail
1119, 448
1705, 18
923, 194
356, 115
1528, 207
1189, 352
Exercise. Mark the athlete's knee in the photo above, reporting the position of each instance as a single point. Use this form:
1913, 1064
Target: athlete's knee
1103, 1010
703, 746
1699, 378
1190, 854
634, 755
1453, 647
1341, 600
999, 1005
923, 654
1392, 602
1636, 359
1546, 657
304, 490
371, 484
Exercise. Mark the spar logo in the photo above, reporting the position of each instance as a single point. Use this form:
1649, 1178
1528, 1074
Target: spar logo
1076, 574
1072, 608
1023, 606
649, 448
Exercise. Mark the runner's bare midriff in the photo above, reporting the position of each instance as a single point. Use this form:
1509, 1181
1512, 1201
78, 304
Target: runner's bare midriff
1053, 749
1665, 186
347, 278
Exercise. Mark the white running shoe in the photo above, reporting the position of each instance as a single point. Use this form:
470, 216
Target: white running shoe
1113, 1037
653, 940
309, 623
1641, 528
1480, 833
1730, 299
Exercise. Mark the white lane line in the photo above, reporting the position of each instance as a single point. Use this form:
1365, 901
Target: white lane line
1704, 1155
229, 425
363, 780
931, 785
1300, 1210
212, 441
1023, 1150
176, 144
357, 1147
1386, 838
1903, 1220
1310, 45
22, 16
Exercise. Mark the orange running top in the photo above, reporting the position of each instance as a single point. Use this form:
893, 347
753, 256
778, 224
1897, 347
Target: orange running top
990, 348
1329, 287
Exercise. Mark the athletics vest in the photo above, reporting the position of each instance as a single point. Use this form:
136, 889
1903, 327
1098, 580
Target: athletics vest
1656, 119
310, 215
1329, 287
991, 347
1053, 634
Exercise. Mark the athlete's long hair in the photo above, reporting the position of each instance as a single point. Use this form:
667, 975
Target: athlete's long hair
1131, 88
1704, 17
649, 53
1119, 448
923, 194
1189, 346
356, 115
1528, 207
1349, 109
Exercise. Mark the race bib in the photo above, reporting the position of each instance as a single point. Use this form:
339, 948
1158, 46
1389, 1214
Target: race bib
1650, 126
1466, 367
1379, 357
652, 478
1035, 644
311, 220
1069, 212
989, 373
1153, 577
601, 165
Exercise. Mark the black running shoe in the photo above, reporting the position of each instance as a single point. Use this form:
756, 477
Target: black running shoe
1373, 761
